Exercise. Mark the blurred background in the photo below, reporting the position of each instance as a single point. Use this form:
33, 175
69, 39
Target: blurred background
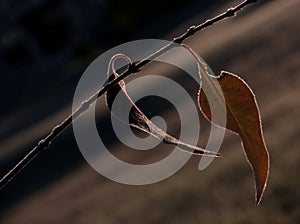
45, 46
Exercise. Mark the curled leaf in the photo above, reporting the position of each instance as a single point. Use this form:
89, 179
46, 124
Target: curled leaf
243, 118
139, 121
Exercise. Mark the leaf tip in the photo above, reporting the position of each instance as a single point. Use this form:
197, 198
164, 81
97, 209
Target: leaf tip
260, 189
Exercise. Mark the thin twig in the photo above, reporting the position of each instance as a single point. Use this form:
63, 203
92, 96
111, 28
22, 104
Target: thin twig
133, 68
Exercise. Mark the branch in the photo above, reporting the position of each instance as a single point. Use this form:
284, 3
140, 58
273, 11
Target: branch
133, 68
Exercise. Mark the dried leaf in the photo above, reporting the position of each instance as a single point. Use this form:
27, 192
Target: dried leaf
138, 120
243, 118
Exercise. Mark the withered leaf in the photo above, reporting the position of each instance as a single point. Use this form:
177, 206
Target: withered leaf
243, 118
139, 121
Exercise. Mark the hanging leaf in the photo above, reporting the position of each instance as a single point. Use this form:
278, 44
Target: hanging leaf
139, 121
243, 118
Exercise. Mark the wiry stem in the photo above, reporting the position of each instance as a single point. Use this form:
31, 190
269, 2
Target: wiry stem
133, 68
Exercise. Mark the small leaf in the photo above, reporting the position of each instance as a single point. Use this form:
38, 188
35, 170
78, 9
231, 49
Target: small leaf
138, 120
243, 118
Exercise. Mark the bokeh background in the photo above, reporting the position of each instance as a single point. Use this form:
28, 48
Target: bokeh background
46, 45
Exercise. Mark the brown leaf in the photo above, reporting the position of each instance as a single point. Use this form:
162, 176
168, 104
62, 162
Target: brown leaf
243, 118
138, 120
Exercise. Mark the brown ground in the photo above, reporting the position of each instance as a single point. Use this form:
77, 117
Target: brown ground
261, 46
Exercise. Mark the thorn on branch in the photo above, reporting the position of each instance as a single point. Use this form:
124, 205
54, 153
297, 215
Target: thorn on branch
230, 12
208, 22
42, 144
133, 68
191, 30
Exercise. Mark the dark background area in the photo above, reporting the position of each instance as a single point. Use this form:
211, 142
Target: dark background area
45, 46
